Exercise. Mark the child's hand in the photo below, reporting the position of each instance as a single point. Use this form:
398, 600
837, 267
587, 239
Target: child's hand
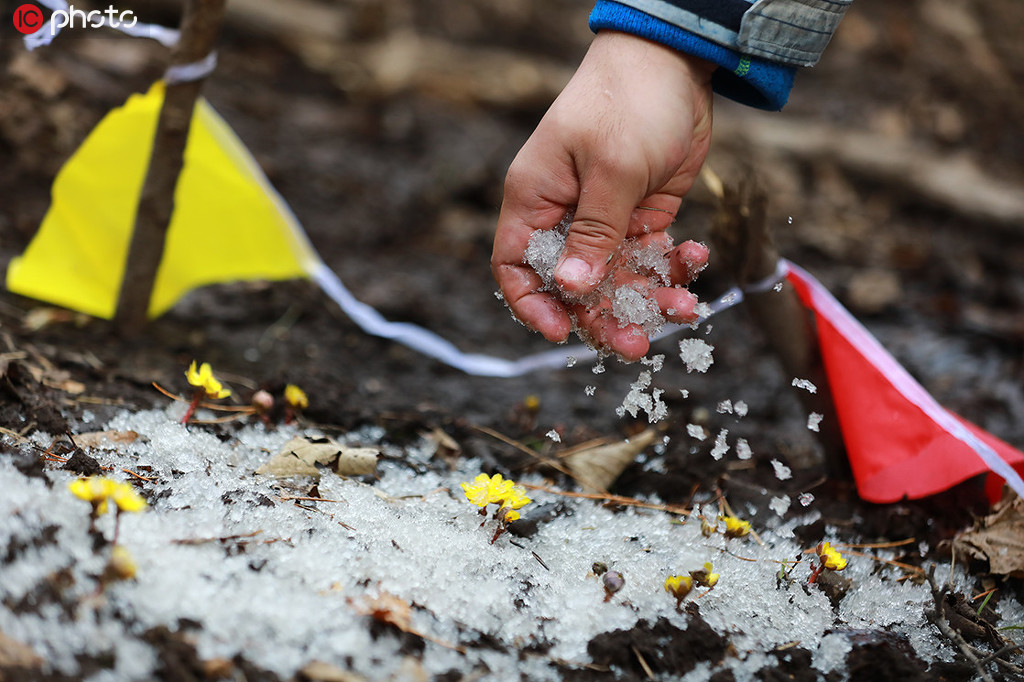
621, 146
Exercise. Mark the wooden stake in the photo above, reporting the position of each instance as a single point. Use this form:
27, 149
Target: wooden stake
744, 244
200, 25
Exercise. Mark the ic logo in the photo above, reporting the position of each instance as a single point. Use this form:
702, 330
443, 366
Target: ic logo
28, 19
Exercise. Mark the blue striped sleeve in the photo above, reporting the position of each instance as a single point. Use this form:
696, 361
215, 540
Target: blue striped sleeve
748, 80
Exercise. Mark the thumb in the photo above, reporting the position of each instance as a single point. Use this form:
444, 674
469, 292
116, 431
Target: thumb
598, 228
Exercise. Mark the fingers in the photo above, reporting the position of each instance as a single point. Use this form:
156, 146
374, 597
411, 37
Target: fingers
629, 342
686, 262
599, 225
536, 309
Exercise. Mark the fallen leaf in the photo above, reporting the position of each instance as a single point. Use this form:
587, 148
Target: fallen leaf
301, 455
357, 461
320, 671
387, 608
596, 468
95, 439
998, 538
312, 451
15, 654
287, 464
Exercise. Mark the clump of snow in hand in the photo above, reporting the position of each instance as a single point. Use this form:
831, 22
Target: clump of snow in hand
782, 472
631, 303
779, 505
410, 534
805, 384
553, 435
721, 446
807, 498
696, 354
743, 450
813, 420
696, 431
638, 399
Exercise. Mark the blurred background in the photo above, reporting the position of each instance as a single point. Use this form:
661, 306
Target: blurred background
895, 174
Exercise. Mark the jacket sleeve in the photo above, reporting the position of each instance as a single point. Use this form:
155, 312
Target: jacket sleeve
758, 45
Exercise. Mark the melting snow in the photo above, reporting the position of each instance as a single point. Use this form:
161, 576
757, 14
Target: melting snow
276, 580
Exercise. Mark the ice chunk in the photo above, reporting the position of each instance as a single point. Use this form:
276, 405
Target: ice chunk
637, 399
721, 446
696, 354
655, 362
631, 305
779, 505
782, 472
685, 393
553, 435
696, 431
805, 384
724, 407
813, 420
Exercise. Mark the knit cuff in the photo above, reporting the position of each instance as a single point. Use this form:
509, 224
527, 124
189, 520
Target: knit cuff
748, 80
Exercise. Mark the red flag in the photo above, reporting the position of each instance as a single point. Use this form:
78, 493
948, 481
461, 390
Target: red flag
900, 441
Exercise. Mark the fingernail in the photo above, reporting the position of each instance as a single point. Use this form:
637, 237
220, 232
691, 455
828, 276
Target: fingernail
573, 271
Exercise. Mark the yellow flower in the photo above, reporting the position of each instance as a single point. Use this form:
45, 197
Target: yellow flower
205, 380
98, 489
678, 586
830, 558
478, 492
485, 490
516, 498
126, 499
296, 397
121, 565
705, 576
734, 527
92, 489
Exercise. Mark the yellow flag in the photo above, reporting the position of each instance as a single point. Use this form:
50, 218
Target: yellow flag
229, 223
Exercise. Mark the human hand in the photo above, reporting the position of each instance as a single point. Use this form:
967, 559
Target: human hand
619, 148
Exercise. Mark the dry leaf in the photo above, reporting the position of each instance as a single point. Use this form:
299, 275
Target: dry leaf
387, 608
597, 468
357, 461
286, 464
300, 456
95, 439
15, 654
998, 538
312, 451
319, 671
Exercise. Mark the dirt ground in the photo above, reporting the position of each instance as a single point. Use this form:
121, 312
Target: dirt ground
396, 172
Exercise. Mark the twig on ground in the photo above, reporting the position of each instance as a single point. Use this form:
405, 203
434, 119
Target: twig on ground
613, 499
